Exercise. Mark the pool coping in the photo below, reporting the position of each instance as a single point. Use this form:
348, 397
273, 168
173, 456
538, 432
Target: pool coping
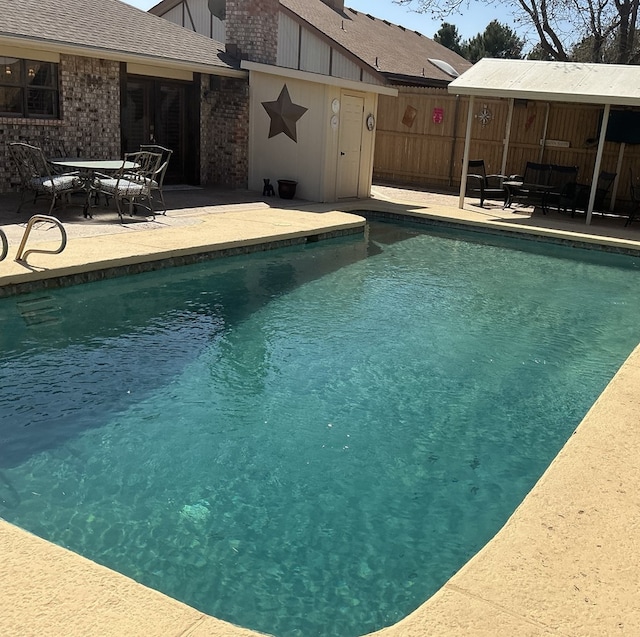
95, 258
563, 564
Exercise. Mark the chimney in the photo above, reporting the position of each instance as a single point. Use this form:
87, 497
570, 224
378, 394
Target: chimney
336, 5
252, 29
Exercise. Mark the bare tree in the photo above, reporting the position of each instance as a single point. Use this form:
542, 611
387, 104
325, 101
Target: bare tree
559, 25
608, 31
626, 36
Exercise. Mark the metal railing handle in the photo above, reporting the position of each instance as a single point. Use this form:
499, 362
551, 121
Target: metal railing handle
5, 245
22, 257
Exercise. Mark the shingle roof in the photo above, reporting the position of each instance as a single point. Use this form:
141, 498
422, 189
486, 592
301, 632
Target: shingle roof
110, 26
396, 52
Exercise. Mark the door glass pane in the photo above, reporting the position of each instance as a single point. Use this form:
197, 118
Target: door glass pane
169, 126
134, 122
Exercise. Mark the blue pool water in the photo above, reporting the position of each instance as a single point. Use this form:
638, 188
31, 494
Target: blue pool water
308, 442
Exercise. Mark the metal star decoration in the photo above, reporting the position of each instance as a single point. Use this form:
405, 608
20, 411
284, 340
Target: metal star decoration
284, 114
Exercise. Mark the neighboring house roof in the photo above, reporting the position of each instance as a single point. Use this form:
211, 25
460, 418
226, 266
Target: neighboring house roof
163, 6
400, 55
111, 28
613, 84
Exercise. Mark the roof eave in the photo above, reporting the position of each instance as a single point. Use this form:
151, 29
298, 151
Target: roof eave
121, 56
163, 7
319, 78
415, 80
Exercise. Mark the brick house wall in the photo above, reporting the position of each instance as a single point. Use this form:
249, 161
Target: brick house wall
224, 126
90, 123
91, 106
90, 117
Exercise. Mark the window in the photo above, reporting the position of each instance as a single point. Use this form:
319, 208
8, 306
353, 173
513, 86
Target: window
28, 88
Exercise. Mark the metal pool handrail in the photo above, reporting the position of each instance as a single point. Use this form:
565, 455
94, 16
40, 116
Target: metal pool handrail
22, 257
5, 245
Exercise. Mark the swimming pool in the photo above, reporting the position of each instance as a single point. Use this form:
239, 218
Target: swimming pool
307, 442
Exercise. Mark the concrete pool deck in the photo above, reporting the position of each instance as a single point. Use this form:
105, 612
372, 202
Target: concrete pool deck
565, 564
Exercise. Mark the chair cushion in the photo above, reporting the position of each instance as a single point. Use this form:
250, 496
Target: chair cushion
122, 187
152, 182
55, 183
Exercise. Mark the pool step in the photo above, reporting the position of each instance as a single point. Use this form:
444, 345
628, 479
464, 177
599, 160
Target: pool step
39, 311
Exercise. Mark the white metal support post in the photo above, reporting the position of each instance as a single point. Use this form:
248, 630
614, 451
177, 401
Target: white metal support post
596, 168
465, 159
507, 137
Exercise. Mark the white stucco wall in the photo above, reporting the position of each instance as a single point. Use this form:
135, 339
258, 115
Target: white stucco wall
313, 161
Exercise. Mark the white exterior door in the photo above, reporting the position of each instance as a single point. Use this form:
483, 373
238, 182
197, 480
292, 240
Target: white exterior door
350, 146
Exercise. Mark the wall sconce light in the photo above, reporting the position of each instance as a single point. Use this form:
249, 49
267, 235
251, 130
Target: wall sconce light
7, 70
31, 72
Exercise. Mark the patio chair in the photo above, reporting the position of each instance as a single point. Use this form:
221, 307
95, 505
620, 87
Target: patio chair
130, 186
562, 185
486, 186
580, 199
37, 176
54, 148
158, 179
531, 186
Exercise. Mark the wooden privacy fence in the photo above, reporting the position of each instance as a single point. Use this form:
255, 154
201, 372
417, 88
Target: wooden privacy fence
420, 139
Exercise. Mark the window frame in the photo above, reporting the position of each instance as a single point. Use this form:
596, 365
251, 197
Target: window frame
28, 87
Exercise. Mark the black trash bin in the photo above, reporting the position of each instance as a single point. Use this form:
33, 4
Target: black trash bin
287, 188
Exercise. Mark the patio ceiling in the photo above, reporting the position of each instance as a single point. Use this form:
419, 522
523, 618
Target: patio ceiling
605, 84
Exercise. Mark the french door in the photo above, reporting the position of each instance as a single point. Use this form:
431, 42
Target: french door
164, 112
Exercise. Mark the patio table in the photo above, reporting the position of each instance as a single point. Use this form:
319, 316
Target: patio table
513, 186
87, 169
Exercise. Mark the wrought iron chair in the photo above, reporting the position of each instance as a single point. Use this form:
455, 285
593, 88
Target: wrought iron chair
157, 182
54, 148
486, 186
36, 175
130, 186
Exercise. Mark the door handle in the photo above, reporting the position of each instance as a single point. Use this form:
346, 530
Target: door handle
341, 154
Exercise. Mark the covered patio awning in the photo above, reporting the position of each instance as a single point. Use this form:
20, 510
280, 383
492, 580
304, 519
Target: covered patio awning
605, 84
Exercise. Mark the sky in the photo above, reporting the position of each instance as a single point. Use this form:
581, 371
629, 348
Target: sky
474, 17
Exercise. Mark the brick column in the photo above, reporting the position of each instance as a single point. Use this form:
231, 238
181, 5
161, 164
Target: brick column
224, 139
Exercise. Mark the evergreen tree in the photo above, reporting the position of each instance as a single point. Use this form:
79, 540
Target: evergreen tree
448, 36
497, 41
